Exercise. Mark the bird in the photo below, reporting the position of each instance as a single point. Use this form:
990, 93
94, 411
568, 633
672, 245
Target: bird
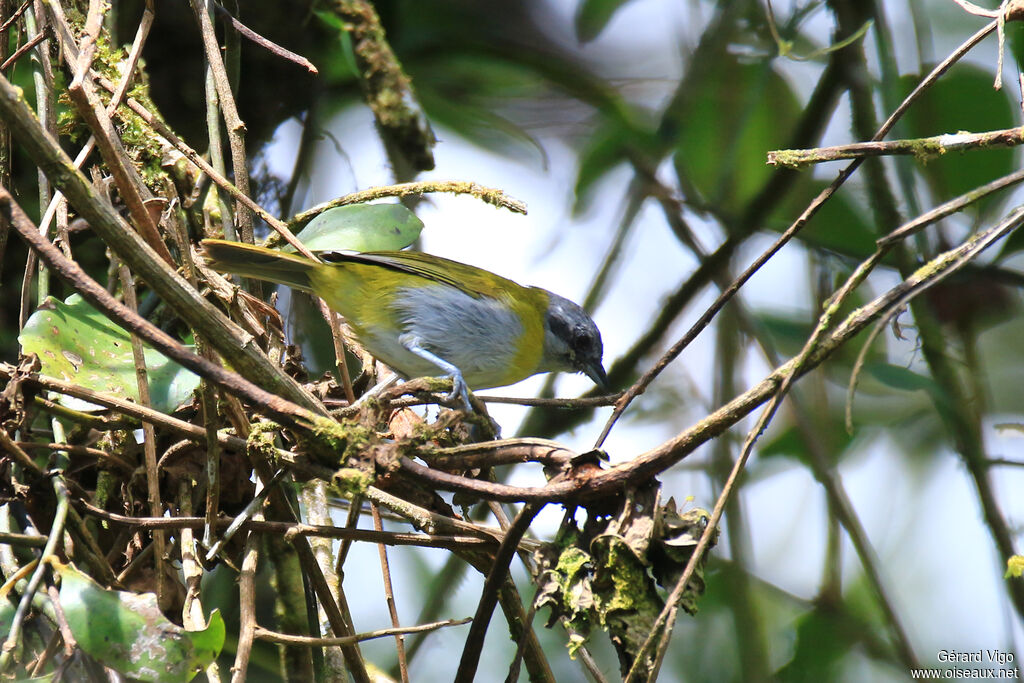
423, 315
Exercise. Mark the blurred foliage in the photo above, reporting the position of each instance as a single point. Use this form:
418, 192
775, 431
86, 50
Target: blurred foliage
962, 101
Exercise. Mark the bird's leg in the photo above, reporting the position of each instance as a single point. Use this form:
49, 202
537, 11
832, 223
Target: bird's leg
459, 388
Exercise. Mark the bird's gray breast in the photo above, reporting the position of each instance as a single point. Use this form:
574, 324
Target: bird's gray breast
480, 336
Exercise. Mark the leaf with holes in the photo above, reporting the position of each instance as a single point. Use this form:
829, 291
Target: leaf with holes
77, 343
128, 633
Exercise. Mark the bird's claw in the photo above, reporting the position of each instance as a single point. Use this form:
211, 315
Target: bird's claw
459, 393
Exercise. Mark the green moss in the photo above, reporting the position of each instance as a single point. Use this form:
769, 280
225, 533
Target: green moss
439, 385
789, 158
261, 441
143, 145
572, 562
337, 443
630, 582
927, 149
628, 603
350, 482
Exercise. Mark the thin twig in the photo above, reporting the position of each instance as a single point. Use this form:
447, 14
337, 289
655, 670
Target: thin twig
247, 626
288, 639
164, 131
334, 608
233, 122
281, 528
567, 403
953, 260
499, 452
19, 456
314, 498
148, 437
53, 538
47, 32
192, 614
652, 462
922, 148
270, 46
389, 596
15, 15
5, 133
497, 575
339, 353
489, 195
117, 97
42, 79
129, 183
948, 208
26, 540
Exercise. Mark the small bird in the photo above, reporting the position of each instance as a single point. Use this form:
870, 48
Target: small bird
423, 315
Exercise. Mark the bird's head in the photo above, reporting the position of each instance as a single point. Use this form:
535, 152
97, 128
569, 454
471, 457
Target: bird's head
572, 341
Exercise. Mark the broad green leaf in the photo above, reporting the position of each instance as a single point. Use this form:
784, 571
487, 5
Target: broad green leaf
1015, 41
823, 637
790, 442
128, 633
593, 15
77, 343
787, 333
361, 227
899, 377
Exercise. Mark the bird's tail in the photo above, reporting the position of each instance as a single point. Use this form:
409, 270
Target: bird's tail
260, 263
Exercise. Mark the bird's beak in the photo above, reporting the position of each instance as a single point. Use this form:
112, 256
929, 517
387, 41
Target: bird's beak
596, 372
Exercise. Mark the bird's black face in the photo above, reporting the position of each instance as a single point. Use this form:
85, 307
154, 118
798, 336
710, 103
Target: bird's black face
575, 340
587, 351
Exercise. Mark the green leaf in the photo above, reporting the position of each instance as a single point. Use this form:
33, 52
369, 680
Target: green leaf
823, 639
899, 377
77, 343
735, 113
336, 70
840, 225
593, 15
790, 442
128, 633
788, 333
7, 611
468, 94
610, 145
361, 227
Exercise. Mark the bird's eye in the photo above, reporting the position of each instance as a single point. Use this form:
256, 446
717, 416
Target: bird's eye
582, 339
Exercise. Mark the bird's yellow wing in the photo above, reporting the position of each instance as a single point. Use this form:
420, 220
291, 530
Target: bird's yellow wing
472, 280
